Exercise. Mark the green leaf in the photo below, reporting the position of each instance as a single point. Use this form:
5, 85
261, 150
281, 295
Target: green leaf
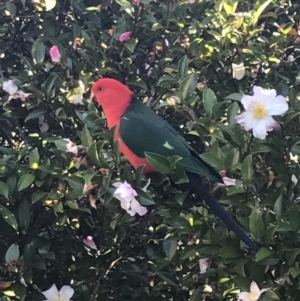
50, 4
269, 296
35, 114
230, 6
168, 278
86, 137
25, 181
34, 159
278, 207
76, 182
183, 67
128, 174
139, 175
259, 11
256, 225
180, 197
138, 83
213, 160
232, 158
38, 51
11, 8
230, 251
13, 253
234, 96
166, 81
262, 254
232, 112
159, 163
197, 294
48, 84
38, 195
24, 214
294, 218
247, 168
93, 154
209, 100
71, 204
4, 190
170, 247
188, 85
8, 217
143, 197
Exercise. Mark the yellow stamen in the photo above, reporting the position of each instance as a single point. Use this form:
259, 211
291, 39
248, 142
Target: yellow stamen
259, 111
252, 295
57, 299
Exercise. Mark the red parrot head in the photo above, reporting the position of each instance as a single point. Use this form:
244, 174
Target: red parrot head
113, 96
108, 91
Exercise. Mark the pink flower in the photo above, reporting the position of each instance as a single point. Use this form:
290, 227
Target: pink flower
89, 242
125, 36
55, 54
136, 2
204, 264
195, 277
227, 182
126, 195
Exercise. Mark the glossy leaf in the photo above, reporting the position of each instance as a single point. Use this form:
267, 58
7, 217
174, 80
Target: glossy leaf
209, 100
183, 67
38, 51
256, 225
25, 181
8, 217
159, 163
13, 253
4, 190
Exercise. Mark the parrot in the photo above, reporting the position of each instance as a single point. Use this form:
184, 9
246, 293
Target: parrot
140, 130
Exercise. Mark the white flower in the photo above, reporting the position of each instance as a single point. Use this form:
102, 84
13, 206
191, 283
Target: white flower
126, 195
21, 94
238, 71
190, 1
13, 90
254, 293
259, 111
71, 147
65, 293
290, 58
90, 244
10, 87
76, 97
227, 182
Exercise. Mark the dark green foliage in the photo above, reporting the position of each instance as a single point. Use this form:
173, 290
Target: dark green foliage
178, 61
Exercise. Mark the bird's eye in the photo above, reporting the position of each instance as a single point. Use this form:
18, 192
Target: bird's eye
100, 88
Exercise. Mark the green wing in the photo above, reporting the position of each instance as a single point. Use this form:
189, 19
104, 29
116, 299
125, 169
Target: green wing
142, 130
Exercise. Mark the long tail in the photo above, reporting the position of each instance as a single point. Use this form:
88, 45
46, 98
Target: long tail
202, 192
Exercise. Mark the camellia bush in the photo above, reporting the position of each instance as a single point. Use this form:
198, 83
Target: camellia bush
77, 222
